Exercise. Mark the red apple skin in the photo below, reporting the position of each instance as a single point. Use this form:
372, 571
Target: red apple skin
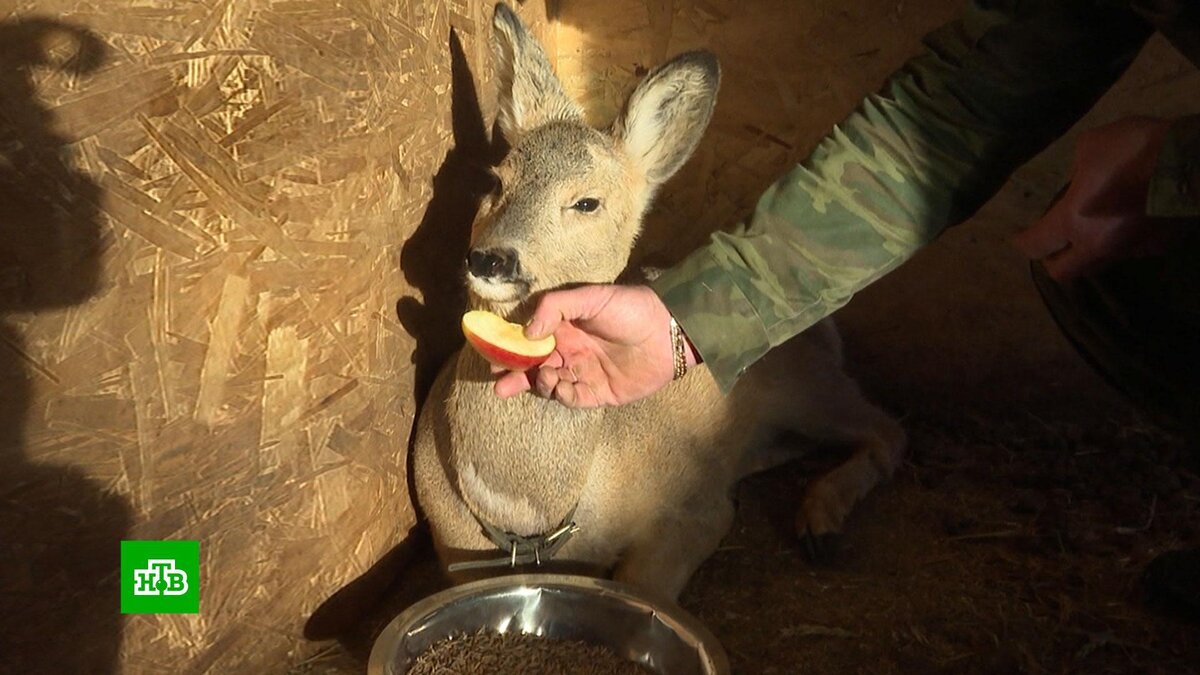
503, 343
502, 357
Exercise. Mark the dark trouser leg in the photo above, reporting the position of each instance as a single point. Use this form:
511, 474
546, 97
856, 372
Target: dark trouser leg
1138, 324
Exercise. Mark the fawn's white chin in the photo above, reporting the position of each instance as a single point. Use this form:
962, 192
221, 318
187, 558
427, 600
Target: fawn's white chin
497, 292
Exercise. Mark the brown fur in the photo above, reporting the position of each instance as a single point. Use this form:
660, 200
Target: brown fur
652, 480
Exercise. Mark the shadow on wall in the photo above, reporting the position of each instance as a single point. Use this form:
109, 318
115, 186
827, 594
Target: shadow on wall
60, 530
432, 258
432, 263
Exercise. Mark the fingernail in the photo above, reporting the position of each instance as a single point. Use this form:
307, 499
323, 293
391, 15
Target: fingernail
533, 329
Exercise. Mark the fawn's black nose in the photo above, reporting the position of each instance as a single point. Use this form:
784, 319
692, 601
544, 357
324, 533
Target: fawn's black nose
496, 263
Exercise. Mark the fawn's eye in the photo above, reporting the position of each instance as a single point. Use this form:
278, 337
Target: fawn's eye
586, 205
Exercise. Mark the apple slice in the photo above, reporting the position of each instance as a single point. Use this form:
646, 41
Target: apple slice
503, 343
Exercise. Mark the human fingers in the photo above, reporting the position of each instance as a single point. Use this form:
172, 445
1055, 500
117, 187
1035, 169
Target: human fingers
513, 383
576, 395
1049, 234
545, 382
574, 304
1072, 262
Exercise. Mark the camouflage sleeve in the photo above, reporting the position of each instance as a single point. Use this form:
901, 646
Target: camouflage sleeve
1175, 187
939, 139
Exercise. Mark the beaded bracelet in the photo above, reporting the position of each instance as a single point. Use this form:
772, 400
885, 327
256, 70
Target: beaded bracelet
678, 348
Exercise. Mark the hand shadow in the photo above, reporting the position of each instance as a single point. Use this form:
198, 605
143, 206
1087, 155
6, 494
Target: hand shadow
60, 530
432, 262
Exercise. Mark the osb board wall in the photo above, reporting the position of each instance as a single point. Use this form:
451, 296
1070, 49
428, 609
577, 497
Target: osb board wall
228, 234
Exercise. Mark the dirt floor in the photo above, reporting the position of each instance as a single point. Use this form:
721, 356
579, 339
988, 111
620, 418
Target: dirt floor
1006, 547
1012, 542
1013, 539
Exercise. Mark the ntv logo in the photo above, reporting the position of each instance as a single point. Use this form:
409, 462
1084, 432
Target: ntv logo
160, 577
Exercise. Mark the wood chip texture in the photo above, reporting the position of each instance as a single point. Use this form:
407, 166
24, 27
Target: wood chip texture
228, 243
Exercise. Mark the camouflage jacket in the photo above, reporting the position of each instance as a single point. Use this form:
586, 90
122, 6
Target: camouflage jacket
990, 91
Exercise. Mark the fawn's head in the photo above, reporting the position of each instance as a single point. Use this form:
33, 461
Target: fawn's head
568, 200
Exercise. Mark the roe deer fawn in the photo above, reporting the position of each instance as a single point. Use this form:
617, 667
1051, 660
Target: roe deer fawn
648, 486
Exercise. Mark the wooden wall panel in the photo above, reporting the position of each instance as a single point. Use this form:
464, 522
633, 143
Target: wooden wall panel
210, 212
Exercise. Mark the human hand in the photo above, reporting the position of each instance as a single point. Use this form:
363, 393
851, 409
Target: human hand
1101, 217
612, 347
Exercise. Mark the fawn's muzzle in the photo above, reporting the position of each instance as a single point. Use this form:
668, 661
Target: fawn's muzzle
498, 264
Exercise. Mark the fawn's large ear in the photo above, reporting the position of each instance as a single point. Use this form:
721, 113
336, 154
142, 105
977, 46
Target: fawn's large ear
667, 114
530, 93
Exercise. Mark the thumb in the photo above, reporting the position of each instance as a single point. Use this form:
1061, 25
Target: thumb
576, 304
1048, 235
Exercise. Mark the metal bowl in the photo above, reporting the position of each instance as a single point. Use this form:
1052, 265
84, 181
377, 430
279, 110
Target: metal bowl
655, 633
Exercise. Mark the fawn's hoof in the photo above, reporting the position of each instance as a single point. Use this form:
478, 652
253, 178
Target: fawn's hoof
820, 549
